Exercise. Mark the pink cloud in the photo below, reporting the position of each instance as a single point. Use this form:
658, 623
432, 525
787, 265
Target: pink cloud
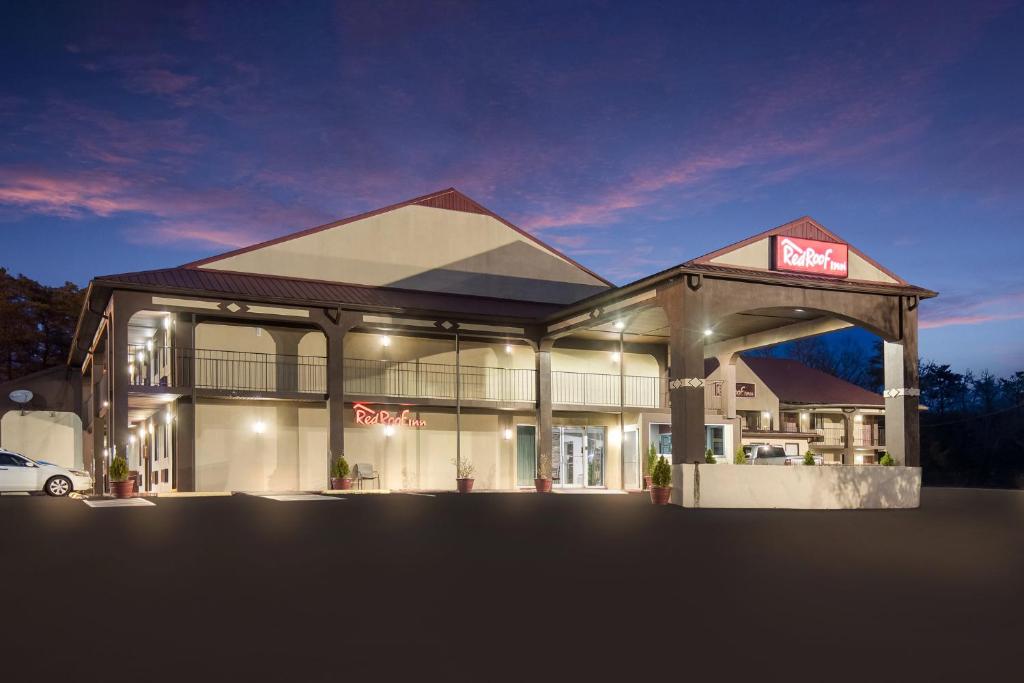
961, 309
976, 319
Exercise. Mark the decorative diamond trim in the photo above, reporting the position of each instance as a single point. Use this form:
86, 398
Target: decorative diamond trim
898, 393
233, 307
686, 383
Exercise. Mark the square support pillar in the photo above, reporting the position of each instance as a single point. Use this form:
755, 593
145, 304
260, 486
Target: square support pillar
727, 364
683, 307
544, 417
120, 380
902, 390
335, 328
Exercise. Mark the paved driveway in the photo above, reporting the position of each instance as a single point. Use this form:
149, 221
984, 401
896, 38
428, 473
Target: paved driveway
521, 587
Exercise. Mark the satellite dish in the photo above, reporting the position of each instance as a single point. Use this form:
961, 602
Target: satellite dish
21, 396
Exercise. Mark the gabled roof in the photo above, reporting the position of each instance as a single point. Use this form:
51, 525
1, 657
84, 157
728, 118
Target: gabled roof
804, 227
793, 382
449, 199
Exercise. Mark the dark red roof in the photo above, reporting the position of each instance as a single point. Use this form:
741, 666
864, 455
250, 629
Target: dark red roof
794, 382
303, 292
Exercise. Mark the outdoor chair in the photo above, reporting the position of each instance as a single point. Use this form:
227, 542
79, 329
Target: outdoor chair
364, 471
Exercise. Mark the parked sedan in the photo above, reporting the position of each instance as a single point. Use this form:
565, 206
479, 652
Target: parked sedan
19, 473
775, 455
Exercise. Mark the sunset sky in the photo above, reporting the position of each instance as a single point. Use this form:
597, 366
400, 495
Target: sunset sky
631, 135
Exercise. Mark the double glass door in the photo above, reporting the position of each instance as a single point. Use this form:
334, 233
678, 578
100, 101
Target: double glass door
579, 461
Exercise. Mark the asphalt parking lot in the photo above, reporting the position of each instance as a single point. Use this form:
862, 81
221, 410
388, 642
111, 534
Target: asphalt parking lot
516, 586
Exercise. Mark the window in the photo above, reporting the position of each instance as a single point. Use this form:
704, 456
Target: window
792, 449
714, 439
8, 460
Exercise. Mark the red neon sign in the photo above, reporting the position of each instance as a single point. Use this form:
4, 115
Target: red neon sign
811, 256
366, 415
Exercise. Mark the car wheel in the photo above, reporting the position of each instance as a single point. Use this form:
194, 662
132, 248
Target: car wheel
58, 486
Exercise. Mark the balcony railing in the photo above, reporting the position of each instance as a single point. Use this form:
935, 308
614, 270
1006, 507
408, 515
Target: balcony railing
831, 436
869, 435
438, 381
259, 372
591, 389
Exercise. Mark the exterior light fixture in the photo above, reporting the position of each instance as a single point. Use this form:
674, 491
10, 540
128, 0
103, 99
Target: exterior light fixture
131, 438
508, 435
385, 341
858, 460
106, 452
616, 357
140, 356
151, 430
708, 332
167, 322
259, 426
106, 404
149, 345
508, 348
131, 368
389, 431
619, 324
858, 418
798, 310
766, 414
168, 417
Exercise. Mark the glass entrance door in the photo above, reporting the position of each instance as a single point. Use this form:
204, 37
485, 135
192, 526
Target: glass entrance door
631, 458
579, 457
573, 469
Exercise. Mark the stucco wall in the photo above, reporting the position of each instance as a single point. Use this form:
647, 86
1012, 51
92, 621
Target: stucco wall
424, 248
291, 453
796, 487
41, 435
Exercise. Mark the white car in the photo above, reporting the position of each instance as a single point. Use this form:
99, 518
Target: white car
18, 473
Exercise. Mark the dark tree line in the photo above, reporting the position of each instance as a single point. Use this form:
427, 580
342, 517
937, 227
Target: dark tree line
36, 324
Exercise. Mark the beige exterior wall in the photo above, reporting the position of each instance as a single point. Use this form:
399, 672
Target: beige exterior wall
602, 362
290, 454
424, 248
42, 435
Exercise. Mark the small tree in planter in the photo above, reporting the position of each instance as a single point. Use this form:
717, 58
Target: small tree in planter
120, 485
809, 458
661, 482
340, 481
542, 482
463, 475
652, 460
887, 460
741, 457
709, 457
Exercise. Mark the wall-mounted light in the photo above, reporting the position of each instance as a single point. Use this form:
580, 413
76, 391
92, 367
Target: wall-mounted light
167, 322
389, 431
708, 332
149, 345
766, 414
106, 404
259, 426
168, 416
858, 418
858, 460
508, 435
619, 325
385, 340
614, 436
508, 348
131, 438
151, 429
140, 356
106, 452
616, 357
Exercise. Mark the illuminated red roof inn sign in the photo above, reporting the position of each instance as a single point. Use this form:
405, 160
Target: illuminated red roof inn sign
812, 257
365, 415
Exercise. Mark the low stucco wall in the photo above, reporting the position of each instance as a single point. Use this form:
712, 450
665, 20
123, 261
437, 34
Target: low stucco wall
796, 487
43, 435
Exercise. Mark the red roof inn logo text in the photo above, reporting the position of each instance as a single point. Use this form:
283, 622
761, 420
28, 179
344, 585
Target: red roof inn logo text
811, 256
366, 415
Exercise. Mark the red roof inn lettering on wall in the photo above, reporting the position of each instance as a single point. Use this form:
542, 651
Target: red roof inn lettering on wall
798, 255
366, 415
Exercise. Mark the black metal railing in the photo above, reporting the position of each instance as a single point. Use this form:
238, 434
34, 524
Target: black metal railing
262, 372
592, 389
414, 379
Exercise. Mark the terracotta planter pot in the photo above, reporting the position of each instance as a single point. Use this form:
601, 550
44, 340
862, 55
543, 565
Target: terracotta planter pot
341, 483
542, 485
122, 489
647, 482
465, 485
660, 494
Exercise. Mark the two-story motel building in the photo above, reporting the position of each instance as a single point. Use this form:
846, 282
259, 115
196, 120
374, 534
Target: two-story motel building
434, 328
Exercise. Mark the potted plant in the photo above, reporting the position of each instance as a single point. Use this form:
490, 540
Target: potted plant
464, 475
652, 460
709, 457
741, 457
661, 482
809, 458
887, 460
340, 481
542, 482
120, 485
